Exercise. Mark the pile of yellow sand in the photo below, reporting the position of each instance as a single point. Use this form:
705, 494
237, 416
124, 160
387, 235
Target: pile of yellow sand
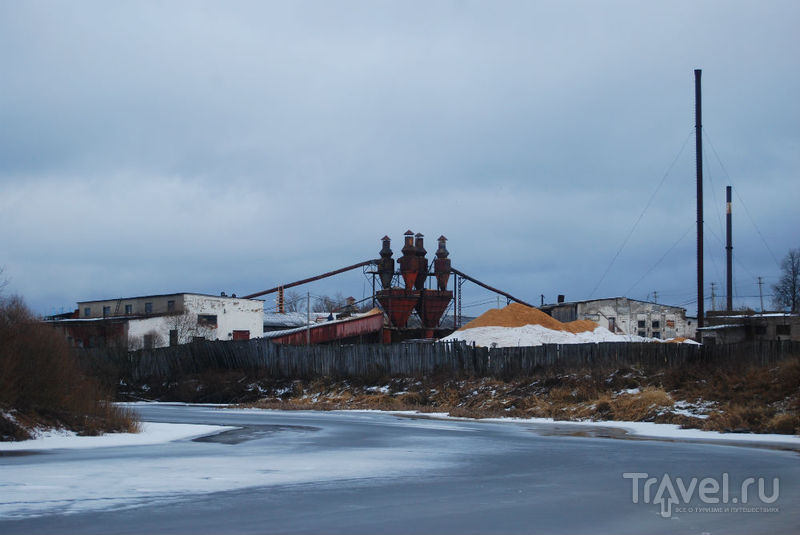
518, 315
677, 340
580, 326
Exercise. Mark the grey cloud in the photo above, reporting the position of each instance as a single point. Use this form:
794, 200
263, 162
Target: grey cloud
204, 146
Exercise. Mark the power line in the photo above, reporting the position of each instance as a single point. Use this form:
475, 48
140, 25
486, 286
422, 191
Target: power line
713, 192
746, 210
641, 215
660, 260
479, 303
714, 263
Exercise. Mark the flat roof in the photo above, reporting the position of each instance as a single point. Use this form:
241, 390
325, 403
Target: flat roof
90, 320
165, 295
549, 305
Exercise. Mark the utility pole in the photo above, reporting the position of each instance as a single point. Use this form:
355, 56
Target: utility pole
761, 294
308, 318
456, 301
729, 250
713, 296
655, 296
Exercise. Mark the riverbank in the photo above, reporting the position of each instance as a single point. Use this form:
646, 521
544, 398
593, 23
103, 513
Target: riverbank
753, 400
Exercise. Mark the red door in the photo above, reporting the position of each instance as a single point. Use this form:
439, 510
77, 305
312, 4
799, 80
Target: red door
241, 335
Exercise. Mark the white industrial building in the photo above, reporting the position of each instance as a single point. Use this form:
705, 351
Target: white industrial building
162, 320
628, 316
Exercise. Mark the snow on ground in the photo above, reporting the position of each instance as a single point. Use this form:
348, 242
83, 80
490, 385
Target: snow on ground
536, 335
645, 429
152, 433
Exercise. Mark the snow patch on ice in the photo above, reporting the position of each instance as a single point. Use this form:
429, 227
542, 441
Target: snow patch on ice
152, 433
650, 429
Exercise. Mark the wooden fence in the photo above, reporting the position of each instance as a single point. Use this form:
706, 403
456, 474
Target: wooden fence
455, 359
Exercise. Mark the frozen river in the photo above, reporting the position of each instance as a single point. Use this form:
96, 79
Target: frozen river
367, 472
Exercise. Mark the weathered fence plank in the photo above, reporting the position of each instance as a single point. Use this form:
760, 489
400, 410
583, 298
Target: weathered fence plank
455, 359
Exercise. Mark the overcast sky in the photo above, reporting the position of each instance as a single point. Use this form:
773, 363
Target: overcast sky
157, 147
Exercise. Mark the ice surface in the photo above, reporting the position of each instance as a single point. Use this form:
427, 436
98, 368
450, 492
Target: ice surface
361, 453
82, 480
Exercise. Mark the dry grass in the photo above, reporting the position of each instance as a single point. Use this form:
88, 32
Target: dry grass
723, 397
643, 406
785, 424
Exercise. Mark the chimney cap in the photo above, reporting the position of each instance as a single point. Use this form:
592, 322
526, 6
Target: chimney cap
386, 238
408, 233
442, 238
419, 235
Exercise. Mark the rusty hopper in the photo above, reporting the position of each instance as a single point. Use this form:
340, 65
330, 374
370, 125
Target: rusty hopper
422, 262
398, 304
431, 305
408, 262
441, 266
386, 264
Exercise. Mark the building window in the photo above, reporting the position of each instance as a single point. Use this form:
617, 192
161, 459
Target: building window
656, 334
783, 330
171, 306
87, 312
149, 341
173, 337
642, 334
612, 324
148, 308
656, 324
761, 330
207, 320
128, 309
641, 324
106, 311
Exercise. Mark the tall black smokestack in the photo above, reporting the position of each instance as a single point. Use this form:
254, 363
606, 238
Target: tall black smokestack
698, 126
729, 248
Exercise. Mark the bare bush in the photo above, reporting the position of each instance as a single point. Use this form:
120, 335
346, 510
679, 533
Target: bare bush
40, 378
327, 303
786, 292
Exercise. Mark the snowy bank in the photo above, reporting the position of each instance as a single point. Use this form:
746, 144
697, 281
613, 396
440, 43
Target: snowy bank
152, 433
641, 429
